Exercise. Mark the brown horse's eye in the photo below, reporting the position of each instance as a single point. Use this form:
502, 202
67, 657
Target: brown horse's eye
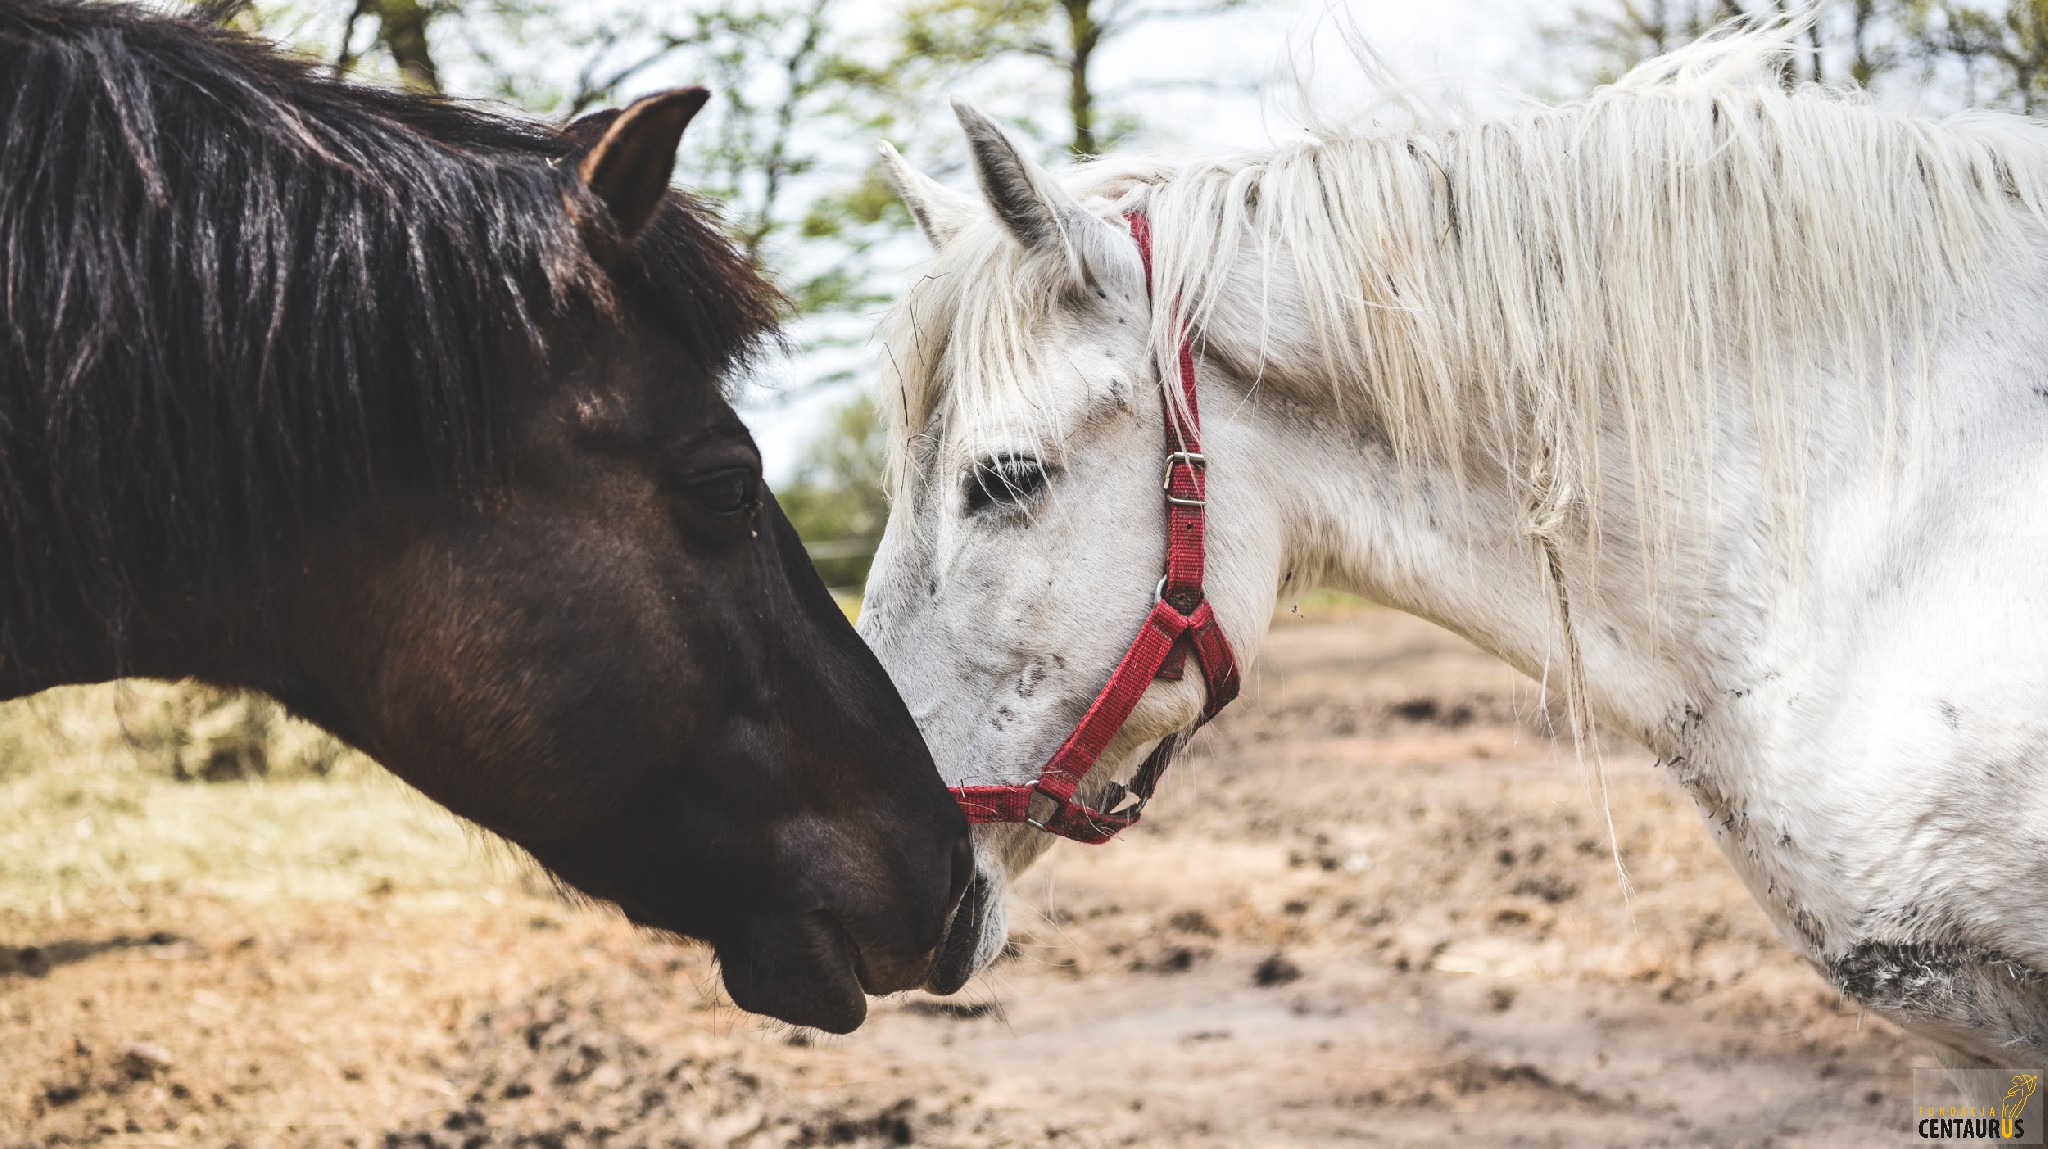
727, 493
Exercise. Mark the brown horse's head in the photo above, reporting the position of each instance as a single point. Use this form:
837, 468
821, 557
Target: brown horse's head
624, 661
416, 424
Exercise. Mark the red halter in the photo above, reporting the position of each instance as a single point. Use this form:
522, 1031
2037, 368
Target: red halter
1181, 622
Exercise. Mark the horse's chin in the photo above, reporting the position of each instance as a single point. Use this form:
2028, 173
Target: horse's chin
973, 937
804, 970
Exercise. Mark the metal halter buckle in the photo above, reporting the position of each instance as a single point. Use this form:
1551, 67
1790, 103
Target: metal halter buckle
1178, 458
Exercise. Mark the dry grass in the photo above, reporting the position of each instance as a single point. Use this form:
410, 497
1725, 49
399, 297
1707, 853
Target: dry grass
99, 818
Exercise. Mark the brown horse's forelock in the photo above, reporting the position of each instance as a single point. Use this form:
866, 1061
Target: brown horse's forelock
236, 295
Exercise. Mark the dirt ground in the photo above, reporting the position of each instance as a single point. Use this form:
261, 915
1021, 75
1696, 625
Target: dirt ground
1376, 907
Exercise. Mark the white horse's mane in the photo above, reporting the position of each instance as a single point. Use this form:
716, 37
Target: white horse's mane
1527, 288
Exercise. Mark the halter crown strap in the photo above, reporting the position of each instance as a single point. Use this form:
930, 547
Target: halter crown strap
1180, 623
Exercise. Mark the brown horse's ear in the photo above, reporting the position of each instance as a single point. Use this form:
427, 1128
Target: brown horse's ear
584, 131
628, 167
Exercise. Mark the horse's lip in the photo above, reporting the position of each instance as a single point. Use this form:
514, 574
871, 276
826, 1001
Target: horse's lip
826, 995
953, 962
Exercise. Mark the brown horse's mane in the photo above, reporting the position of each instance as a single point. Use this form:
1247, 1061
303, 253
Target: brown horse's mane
236, 295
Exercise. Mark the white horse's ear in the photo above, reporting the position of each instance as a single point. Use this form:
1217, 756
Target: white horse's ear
1035, 209
940, 211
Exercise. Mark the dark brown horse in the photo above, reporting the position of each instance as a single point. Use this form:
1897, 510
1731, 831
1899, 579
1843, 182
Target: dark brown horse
410, 416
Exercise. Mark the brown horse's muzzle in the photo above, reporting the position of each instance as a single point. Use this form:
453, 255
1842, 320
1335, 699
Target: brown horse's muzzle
817, 967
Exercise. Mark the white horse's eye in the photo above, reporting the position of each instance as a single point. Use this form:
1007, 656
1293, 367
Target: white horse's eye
1006, 481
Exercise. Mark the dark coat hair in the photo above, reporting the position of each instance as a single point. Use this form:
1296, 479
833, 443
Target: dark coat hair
235, 295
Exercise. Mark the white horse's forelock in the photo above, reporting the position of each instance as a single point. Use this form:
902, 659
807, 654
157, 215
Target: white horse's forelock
969, 327
1524, 288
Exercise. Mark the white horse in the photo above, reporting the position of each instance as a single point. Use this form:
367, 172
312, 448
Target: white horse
1724, 407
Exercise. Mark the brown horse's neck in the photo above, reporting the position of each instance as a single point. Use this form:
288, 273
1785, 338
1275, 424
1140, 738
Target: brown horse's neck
216, 628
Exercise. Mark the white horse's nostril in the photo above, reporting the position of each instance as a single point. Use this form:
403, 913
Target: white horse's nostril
955, 962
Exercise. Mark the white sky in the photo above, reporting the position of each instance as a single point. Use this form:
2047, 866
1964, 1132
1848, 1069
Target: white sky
1482, 48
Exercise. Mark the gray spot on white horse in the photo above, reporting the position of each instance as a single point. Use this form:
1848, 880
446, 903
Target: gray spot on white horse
1977, 1002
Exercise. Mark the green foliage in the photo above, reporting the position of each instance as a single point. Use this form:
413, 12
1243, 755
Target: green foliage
961, 32
837, 502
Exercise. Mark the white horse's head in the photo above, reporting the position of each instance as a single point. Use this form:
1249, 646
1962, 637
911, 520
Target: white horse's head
1027, 536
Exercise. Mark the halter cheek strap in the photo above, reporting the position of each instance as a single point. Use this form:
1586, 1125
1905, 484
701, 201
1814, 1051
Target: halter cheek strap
1181, 623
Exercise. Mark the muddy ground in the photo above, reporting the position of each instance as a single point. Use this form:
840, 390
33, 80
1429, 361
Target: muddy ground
1376, 907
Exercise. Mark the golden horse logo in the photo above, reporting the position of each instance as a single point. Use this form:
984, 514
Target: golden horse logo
2015, 1103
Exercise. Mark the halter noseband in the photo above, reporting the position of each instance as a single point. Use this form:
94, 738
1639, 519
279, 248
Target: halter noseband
1181, 623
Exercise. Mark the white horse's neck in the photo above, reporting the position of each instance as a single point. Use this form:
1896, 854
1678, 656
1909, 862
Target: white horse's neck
1860, 726
1780, 354
1646, 309
1462, 554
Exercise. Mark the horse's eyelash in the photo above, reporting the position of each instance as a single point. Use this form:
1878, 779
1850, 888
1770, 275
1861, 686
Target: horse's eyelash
1007, 480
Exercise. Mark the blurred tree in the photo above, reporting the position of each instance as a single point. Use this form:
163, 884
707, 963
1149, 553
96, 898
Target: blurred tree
401, 31
1997, 50
1853, 40
2006, 43
940, 38
1868, 54
837, 503
1619, 36
784, 144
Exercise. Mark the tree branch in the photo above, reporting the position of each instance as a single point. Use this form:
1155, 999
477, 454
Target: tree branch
345, 57
590, 91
